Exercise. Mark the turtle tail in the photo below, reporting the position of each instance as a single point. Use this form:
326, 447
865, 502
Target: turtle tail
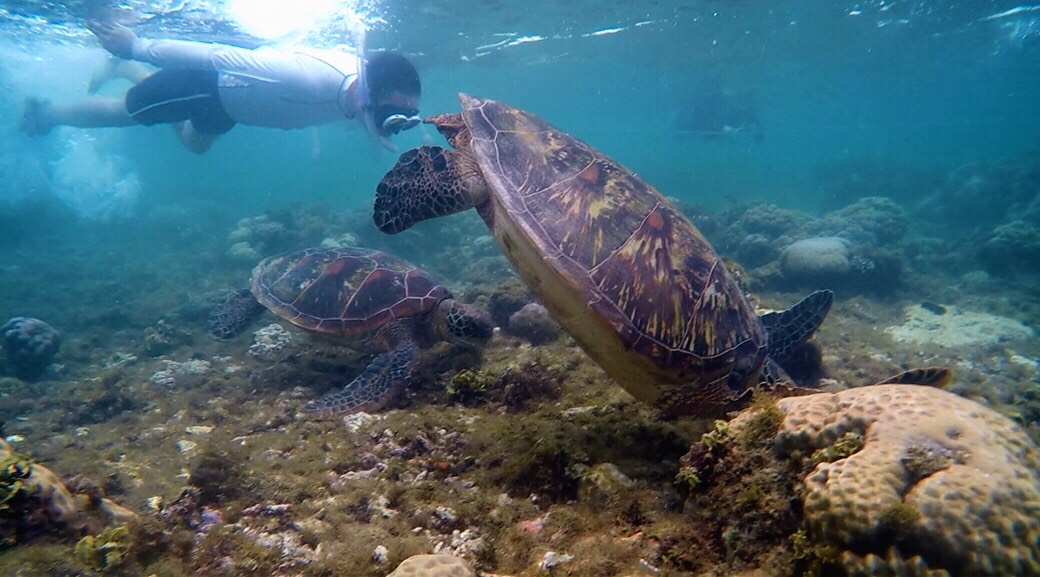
789, 329
426, 182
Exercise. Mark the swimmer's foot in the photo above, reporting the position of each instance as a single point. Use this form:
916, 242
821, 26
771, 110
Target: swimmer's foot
36, 117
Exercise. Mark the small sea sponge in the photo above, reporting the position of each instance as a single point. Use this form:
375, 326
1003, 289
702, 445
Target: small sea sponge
433, 566
941, 486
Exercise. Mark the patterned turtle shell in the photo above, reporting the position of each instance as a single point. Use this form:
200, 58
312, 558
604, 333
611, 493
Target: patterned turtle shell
348, 292
641, 266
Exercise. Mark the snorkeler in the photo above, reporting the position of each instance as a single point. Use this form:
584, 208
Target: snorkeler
204, 90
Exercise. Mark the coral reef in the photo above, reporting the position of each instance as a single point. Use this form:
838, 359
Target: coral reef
758, 232
30, 345
163, 338
1012, 247
893, 480
945, 482
855, 249
181, 374
271, 343
819, 261
433, 566
33, 498
978, 196
345, 240
873, 221
955, 327
34, 501
522, 460
256, 237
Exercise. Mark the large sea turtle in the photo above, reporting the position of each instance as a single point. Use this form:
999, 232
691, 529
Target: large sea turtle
628, 276
378, 303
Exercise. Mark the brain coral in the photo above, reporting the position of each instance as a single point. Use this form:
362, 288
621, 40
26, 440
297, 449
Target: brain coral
941, 487
433, 566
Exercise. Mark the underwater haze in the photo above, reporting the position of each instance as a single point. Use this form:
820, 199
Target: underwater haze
157, 386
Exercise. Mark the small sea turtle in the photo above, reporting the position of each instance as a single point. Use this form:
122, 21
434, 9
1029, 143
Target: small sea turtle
378, 303
628, 276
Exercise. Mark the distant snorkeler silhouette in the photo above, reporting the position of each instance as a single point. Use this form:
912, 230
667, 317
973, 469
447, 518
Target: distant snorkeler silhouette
719, 114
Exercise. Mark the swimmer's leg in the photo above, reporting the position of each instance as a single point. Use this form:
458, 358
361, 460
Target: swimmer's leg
40, 115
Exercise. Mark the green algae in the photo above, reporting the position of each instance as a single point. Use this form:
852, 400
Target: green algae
221, 544
543, 452
470, 385
847, 444
764, 422
811, 558
900, 518
15, 471
105, 551
688, 478
718, 437
40, 560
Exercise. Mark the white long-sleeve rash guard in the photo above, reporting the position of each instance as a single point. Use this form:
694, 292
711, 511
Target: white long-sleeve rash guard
266, 87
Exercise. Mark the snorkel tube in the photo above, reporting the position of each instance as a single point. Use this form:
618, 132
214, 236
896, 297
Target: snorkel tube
365, 97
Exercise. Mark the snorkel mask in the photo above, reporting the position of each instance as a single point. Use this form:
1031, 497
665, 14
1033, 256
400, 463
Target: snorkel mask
401, 121
384, 120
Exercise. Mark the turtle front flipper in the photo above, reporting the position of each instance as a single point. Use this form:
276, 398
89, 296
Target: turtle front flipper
427, 182
233, 314
790, 328
383, 378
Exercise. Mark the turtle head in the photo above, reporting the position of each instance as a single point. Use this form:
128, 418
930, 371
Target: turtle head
459, 323
427, 182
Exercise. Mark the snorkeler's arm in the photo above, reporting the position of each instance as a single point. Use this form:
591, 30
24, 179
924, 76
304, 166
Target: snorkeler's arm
183, 54
122, 42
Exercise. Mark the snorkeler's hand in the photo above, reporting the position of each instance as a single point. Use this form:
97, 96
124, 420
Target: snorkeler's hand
116, 38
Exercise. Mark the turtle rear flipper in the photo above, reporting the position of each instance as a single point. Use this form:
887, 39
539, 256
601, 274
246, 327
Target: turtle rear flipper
383, 378
427, 182
789, 329
233, 314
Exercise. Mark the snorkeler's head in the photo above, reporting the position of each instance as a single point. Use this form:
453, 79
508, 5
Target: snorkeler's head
393, 92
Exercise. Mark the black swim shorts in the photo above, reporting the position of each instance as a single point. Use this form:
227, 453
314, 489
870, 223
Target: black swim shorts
178, 95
